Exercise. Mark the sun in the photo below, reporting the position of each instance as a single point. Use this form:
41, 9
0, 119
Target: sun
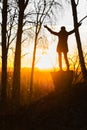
44, 63
47, 61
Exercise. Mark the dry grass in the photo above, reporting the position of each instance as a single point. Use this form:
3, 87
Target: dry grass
42, 85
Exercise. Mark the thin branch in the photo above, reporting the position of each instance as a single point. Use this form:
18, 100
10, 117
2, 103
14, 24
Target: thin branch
10, 30
25, 54
83, 19
77, 2
43, 11
28, 22
12, 40
26, 3
24, 40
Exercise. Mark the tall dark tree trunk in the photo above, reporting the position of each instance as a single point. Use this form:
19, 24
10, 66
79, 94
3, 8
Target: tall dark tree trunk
4, 51
22, 4
80, 52
17, 60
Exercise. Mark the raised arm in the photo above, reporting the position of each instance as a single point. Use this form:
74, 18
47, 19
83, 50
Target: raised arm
72, 31
51, 31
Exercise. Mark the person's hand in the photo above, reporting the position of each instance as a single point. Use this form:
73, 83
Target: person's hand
45, 26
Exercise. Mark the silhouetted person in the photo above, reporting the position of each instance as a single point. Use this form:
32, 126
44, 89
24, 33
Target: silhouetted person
62, 46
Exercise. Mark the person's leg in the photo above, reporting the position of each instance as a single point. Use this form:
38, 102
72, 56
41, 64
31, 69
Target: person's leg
66, 60
60, 60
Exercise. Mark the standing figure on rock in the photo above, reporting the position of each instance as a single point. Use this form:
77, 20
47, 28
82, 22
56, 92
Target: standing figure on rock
62, 46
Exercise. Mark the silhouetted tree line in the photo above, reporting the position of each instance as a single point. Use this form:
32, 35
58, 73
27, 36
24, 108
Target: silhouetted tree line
13, 13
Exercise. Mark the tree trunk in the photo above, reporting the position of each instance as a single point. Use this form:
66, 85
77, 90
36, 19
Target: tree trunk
32, 70
17, 60
80, 52
4, 51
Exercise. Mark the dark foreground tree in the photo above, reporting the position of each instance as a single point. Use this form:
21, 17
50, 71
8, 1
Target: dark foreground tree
22, 4
80, 52
4, 50
8, 18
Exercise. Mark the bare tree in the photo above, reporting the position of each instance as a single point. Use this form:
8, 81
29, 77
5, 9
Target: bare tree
43, 10
22, 4
8, 16
4, 50
79, 45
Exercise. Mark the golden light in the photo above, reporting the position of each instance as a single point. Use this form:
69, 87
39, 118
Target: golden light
48, 60
45, 62
45, 59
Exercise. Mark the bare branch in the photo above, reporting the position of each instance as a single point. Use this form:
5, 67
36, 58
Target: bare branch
10, 30
26, 3
83, 19
77, 3
24, 40
28, 22
25, 54
12, 40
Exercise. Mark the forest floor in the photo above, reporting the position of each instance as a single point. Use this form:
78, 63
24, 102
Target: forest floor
66, 110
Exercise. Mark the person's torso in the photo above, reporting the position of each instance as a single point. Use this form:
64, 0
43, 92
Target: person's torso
63, 36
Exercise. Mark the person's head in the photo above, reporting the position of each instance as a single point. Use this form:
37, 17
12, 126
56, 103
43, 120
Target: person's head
63, 28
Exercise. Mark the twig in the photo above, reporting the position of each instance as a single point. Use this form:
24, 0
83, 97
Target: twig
77, 2
83, 19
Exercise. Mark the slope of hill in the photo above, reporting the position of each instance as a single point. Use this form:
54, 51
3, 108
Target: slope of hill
58, 111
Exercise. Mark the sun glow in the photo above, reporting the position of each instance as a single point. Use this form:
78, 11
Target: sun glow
46, 59
45, 62
46, 56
